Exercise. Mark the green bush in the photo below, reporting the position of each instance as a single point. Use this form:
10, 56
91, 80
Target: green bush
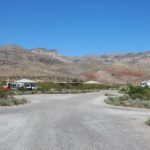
137, 92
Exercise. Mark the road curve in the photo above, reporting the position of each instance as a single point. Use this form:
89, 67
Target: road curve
73, 122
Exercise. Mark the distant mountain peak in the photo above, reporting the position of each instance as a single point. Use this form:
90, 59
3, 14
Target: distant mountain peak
40, 49
11, 46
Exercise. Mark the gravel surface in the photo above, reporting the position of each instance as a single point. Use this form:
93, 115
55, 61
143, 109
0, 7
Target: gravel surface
73, 122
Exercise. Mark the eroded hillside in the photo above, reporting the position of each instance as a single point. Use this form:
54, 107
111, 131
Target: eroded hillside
41, 63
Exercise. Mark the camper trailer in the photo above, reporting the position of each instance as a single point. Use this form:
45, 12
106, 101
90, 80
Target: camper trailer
25, 83
145, 83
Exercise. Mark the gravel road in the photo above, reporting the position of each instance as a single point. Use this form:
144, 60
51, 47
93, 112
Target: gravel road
73, 122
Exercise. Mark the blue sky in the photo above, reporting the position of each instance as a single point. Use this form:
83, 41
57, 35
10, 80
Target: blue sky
77, 27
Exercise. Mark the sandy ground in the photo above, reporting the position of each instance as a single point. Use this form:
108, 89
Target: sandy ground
73, 122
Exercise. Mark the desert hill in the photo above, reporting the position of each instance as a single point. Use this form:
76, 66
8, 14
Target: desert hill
41, 63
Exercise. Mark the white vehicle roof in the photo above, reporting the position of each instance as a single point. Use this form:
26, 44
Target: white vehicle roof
25, 81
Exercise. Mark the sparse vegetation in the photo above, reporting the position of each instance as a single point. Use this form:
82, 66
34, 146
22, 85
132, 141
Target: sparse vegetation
134, 96
148, 122
76, 87
117, 101
6, 99
63, 88
137, 92
12, 101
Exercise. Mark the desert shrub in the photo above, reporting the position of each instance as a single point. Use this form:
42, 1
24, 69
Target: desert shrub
134, 90
5, 102
128, 101
108, 101
135, 96
148, 122
146, 104
137, 92
123, 98
44, 86
113, 101
9, 101
3, 93
109, 94
22, 89
48, 86
136, 103
19, 101
11, 92
123, 90
2, 82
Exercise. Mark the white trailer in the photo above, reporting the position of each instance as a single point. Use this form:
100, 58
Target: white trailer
27, 84
145, 83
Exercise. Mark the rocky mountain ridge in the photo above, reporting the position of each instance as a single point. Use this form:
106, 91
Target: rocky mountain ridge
16, 61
